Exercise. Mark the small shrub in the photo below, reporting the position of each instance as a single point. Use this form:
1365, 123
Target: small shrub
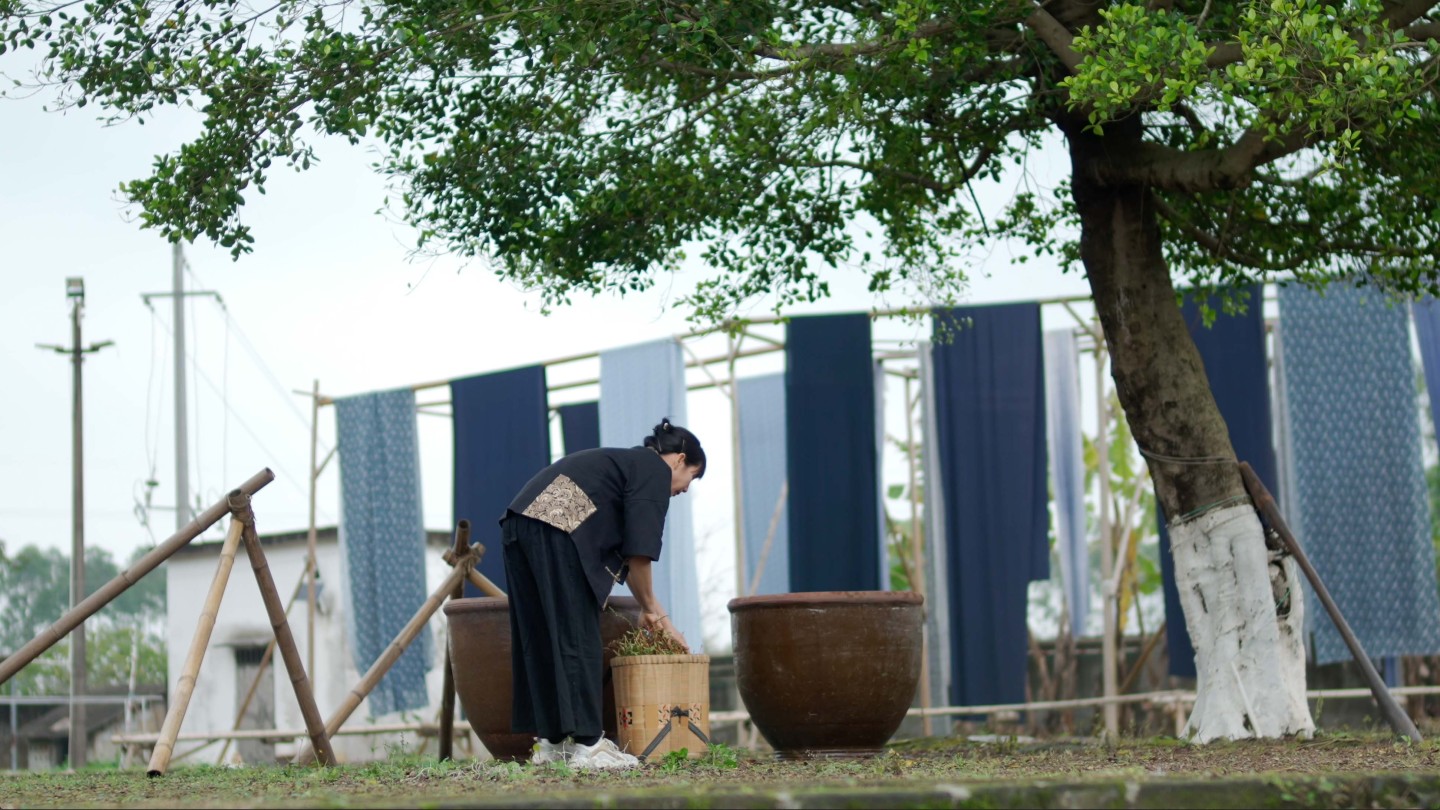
722, 756
675, 760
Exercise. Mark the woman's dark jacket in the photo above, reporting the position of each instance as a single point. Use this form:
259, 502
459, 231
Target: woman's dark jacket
612, 503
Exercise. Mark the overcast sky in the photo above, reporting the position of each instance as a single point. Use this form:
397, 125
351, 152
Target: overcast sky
330, 294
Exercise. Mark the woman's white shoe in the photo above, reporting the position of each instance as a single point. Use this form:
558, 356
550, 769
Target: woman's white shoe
603, 755
545, 752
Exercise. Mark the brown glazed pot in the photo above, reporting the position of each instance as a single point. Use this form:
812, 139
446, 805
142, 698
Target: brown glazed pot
827, 674
480, 657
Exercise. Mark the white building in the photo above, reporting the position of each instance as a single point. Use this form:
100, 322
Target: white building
242, 631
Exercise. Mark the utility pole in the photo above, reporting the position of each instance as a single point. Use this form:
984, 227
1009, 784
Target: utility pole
182, 424
75, 291
178, 294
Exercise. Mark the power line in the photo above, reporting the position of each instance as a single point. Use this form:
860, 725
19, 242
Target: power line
291, 478
259, 360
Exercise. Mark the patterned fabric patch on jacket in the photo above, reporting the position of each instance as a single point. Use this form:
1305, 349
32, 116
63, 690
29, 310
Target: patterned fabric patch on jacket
563, 505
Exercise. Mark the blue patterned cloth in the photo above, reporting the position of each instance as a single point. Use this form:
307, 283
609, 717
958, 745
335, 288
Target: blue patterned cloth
638, 386
382, 537
1361, 510
1427, 328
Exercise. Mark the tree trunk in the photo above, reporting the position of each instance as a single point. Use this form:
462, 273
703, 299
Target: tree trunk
1248, 654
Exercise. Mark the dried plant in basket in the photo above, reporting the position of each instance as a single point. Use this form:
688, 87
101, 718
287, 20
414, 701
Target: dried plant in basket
640, 641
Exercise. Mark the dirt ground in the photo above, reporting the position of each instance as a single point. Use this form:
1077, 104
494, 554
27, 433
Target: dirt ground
937, 761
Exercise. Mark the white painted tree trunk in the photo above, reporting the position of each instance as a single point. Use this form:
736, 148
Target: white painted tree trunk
1249, 656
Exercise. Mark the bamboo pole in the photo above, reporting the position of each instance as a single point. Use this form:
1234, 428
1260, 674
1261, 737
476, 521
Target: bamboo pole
185, 687
289, 653
483, 582
1399, 721
281, 734
447, 689
51, 635
769, 537
387, 659
1144, 657
260, 671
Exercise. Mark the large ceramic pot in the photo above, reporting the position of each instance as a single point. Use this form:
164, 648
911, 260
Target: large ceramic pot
480, 656
828, 674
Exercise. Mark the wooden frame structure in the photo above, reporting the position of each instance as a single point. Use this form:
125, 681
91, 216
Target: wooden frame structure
736, 333
242, 527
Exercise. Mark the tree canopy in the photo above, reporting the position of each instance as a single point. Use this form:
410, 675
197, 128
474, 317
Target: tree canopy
586, 145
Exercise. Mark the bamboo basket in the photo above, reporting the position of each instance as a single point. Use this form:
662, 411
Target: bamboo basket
653, 692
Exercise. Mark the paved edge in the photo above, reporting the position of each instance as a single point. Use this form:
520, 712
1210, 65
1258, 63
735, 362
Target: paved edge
1409, 789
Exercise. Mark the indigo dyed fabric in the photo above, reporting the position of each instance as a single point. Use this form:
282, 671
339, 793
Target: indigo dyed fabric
1067, 472
502, 438
640, 385
1232, 350
762, 478
990, 396
580, 426
1362, 508
830, 434
382, 537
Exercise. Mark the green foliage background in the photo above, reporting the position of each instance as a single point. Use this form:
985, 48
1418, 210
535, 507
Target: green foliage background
35, 591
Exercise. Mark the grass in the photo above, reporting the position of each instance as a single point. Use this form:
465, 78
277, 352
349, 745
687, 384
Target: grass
416, 781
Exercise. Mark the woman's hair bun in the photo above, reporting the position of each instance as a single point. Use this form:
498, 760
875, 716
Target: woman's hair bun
668, 437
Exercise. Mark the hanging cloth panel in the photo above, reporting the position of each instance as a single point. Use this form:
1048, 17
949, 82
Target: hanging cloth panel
502, 438
830, 434
1427, 327
1232, 350
580, 426
1359, 477
638, 386
382, 538
990, 393
937, 583
762, 481
1067, 472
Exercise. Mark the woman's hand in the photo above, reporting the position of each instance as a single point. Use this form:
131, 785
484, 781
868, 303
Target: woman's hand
660, 623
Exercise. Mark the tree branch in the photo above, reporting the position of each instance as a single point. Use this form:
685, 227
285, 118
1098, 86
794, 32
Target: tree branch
1055, 36
1422, 31
1217, 246
981, 158
1398, 15
846, 50
1197, 127
1173, 169
717, 73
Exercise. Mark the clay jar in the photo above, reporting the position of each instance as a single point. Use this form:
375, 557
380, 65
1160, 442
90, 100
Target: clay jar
827, 674
480, 657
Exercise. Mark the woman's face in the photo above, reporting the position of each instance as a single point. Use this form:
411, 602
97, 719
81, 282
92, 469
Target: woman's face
681, 473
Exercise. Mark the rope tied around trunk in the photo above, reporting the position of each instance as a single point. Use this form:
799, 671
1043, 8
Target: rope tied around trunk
1193, 461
